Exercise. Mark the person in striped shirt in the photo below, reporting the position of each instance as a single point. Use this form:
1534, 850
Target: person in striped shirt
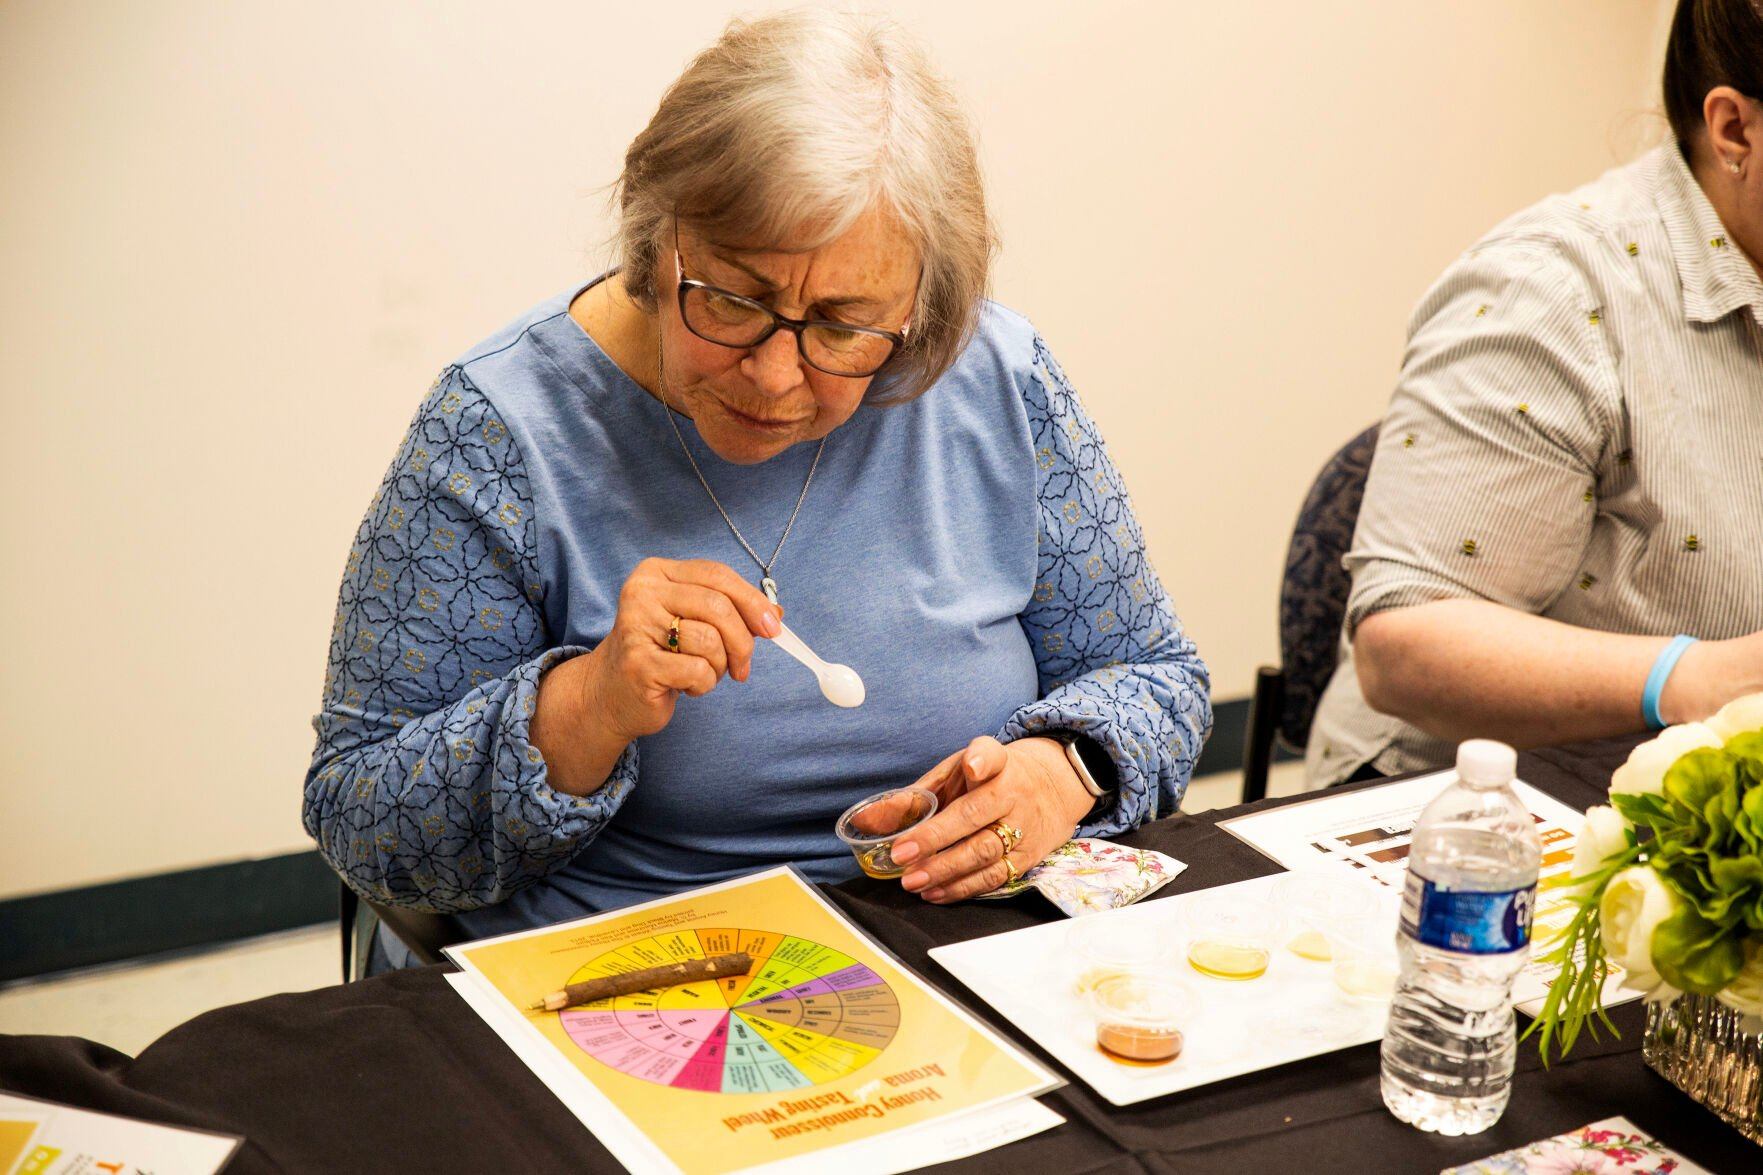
1570, 474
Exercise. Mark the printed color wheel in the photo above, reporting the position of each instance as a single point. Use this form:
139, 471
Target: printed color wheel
804, 1015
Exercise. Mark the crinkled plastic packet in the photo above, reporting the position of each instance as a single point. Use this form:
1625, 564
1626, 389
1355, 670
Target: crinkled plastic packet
1087, 876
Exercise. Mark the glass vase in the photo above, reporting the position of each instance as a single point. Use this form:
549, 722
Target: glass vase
1696, 1044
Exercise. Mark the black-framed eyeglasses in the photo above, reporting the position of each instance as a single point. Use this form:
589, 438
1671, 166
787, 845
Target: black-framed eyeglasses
731, 320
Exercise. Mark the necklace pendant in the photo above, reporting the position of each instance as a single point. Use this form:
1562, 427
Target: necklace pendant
769, 586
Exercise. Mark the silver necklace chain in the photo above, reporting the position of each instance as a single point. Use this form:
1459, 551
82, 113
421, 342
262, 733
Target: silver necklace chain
767, 582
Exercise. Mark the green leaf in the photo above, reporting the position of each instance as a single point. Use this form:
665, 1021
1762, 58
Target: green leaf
1688, 869
1738, 883
1747, 746
1653, 811
1736, 873
1697, 955
1747, 826
1577, 994
1745, 910
1720, 812
1694, 874
1700, 777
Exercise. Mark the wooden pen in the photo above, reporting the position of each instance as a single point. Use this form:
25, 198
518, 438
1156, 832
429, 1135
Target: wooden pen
671, 975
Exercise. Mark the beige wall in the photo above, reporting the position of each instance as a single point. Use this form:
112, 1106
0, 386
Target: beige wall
237, 240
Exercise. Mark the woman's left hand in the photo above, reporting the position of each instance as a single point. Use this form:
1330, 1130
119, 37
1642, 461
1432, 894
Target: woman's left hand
1028, 785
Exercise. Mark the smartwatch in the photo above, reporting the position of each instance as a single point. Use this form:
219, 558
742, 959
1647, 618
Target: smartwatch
1095, 770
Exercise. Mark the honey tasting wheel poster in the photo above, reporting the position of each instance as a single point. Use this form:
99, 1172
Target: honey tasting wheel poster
823, 1041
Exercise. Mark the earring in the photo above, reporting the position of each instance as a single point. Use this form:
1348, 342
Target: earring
1735, 166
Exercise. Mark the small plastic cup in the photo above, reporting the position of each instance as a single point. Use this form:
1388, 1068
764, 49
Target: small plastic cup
1366, 966
1101, 949
1142, 1018
1313, 901
872, 825
1231, 936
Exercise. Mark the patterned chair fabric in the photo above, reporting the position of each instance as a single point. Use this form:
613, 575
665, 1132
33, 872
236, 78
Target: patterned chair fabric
1313, 598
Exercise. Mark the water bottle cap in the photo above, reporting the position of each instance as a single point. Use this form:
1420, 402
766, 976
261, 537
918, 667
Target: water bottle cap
1485, 762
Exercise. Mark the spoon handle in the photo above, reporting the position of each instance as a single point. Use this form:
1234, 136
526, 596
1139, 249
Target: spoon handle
792, 644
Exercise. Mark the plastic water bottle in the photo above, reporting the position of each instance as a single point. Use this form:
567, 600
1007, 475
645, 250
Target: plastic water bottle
1449, 1048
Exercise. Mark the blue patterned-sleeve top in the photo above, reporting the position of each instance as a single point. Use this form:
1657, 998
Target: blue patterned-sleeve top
976, 560
425, 789
1113, 661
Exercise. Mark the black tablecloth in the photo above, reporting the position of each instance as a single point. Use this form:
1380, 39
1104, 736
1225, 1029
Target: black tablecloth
396, 1073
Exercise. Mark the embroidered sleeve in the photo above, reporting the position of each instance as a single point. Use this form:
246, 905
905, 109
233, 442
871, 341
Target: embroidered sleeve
1114, 662
424, 788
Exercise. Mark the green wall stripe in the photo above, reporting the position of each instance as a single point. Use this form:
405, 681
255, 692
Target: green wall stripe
166, 912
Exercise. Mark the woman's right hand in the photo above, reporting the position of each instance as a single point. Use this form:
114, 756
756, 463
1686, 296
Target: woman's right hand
593, 706
634, 679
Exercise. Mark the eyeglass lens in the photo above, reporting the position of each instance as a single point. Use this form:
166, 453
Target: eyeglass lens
734, 321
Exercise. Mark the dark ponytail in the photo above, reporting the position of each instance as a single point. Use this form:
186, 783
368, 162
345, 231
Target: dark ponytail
1713, 43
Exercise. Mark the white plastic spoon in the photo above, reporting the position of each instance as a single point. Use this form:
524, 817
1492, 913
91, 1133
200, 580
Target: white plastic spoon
839, 683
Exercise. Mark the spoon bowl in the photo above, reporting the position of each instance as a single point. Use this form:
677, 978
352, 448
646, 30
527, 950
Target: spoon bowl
839, 683
842, 686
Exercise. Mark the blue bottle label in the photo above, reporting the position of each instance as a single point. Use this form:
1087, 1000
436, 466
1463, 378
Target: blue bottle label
1471, 922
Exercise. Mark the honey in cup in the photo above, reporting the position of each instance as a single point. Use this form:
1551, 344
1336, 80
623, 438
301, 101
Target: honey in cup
1139, 1018
1366, 965
1099, 949
1231, 936
1228, 960
1310, 944
871, 826
1315, 901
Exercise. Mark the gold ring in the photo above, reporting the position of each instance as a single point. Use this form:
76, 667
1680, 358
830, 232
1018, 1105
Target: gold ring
1010, 865
673, 635
1010, 836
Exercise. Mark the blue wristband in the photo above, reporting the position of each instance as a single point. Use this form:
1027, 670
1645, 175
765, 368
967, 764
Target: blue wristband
1662, 667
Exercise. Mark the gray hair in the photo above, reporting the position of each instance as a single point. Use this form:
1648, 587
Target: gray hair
791, 127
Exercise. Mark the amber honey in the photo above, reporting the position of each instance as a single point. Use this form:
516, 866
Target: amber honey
871, 826
1139, 1043
878, 861
1139, 1018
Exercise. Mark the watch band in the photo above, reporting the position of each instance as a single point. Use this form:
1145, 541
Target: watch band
1083, 771
1090, 762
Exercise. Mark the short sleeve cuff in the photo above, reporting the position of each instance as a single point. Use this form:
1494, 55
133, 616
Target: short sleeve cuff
1383, 587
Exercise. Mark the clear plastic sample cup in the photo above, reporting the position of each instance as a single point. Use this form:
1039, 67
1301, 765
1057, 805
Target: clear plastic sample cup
1366, 965
872, 825
1314, 901
1100, 949
1142, 1017
1231, 936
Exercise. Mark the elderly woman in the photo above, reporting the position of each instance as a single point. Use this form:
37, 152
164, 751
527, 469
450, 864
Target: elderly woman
551, 689
1571, 471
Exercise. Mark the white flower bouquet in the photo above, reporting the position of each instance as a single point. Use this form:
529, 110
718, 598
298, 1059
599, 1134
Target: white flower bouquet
1668, 878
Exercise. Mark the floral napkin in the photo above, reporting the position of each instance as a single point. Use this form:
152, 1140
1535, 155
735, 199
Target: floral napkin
1087, 876
1611, 1147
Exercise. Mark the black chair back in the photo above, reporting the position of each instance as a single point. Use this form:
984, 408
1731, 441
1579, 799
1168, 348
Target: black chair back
1313, 597
423, 934
1312, 604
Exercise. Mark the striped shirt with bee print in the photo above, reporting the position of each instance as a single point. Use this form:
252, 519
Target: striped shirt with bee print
1577, 433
